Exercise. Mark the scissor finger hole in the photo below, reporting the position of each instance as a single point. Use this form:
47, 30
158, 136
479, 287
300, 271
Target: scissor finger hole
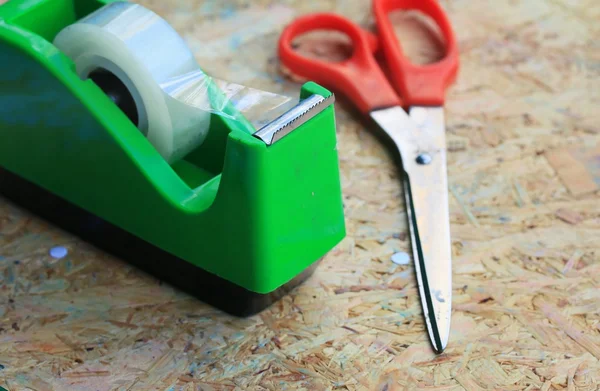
421, 39
324, 45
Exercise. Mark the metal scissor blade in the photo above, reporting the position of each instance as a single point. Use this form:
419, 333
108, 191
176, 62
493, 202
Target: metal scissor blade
420, 138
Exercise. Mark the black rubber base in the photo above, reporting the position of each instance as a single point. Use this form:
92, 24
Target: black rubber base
175, 271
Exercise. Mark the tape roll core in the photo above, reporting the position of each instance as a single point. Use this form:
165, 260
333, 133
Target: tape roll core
117, 91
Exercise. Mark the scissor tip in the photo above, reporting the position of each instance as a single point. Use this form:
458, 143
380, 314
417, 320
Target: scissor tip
439, 350
439, 342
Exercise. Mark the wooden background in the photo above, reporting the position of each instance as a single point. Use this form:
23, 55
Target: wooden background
524, 176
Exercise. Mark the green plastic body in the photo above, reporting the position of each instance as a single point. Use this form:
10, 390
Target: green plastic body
253, 214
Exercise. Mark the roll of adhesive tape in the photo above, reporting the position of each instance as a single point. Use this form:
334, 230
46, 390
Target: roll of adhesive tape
145, 67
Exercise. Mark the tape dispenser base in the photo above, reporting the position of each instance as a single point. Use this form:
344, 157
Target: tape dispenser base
238, 222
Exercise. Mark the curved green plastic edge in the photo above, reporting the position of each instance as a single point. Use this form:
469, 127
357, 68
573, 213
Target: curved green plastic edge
254, 215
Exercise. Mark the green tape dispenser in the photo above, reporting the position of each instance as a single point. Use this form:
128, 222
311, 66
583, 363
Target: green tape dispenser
110, 130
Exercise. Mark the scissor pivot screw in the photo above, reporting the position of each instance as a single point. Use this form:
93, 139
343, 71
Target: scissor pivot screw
424, 158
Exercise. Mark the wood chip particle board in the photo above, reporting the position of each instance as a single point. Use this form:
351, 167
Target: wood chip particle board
578, 168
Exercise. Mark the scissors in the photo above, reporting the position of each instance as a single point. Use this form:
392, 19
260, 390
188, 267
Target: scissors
409, 110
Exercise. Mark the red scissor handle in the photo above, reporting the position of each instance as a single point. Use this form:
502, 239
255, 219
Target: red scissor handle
417, 84
358, 77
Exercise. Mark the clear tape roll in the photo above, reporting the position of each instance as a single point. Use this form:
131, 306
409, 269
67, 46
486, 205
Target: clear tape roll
158, 82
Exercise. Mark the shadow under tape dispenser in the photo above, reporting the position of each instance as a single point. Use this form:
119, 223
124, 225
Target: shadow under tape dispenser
110, 130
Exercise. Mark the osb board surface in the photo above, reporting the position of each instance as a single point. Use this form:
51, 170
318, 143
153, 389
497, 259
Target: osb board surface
524, 175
